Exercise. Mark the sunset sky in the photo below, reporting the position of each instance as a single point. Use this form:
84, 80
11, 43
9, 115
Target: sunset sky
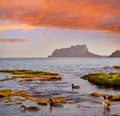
34, 28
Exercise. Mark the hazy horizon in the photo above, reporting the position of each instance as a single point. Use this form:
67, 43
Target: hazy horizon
31, 28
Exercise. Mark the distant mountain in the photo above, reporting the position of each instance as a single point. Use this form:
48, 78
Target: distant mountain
73, 51
115, 54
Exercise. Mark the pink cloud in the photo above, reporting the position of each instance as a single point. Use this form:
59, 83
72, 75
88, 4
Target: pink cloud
103, 15
10, 40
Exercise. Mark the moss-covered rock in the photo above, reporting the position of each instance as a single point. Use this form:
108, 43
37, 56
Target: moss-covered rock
22, 71
19, 97
96, 94
59, 99
109, 97
5, 93
114, 97
21, 93
6, 79
9, 93
42, 101
18, 72
50, 78
111, 80
116, 67
13, 97
31, 75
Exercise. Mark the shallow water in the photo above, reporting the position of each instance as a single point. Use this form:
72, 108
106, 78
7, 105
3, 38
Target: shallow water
80, 103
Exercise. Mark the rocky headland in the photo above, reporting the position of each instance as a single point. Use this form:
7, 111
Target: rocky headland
115, 54
79, 51
73, 51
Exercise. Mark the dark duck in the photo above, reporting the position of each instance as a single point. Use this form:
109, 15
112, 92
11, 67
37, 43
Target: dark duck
75, 86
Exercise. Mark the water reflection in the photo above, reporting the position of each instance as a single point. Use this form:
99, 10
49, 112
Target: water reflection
106, 111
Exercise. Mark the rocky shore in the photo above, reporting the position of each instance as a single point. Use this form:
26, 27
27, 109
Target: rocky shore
12, 97
18, 97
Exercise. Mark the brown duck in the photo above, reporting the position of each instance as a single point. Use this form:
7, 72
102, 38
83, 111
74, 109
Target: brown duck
34, 108
55, 104
105, 102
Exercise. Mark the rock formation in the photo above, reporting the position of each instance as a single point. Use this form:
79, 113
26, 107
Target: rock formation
115, 54
73, 51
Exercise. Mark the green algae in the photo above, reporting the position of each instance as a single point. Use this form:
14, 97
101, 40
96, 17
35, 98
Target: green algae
31, 75
110, 80
23, 71
5, 93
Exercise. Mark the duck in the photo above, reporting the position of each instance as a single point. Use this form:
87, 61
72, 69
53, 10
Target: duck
33, 108
75, 86
105, 102
55, 104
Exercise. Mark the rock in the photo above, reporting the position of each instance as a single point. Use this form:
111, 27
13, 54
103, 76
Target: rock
114, 98
41, 101
59, 99
73, 51
96, 94
115, 54
21, 93
5, 93
31, 75
116, 67
108, 80
50, 78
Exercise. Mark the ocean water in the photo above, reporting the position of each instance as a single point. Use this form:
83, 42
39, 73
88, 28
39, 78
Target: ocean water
80, 103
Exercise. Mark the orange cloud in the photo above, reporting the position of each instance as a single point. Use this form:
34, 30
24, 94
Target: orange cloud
10, 40
103, 15
15, 26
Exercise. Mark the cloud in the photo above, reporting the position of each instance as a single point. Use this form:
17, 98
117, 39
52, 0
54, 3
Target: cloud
15, 26
102, 15
10, 40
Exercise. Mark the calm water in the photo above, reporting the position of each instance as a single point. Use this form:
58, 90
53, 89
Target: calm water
80, 103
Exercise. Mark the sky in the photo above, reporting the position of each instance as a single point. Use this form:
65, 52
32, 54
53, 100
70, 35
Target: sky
35, 28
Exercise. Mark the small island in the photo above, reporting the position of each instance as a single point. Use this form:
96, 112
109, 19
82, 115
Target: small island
73, 51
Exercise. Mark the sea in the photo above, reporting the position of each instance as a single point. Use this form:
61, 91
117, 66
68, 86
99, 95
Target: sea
79, 102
